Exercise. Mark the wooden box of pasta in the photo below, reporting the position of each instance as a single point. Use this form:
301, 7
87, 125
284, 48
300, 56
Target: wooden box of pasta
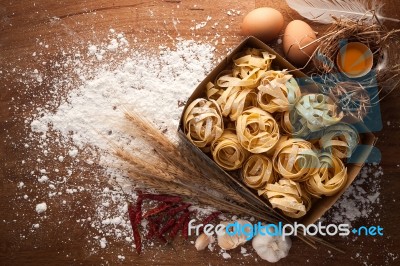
271, 133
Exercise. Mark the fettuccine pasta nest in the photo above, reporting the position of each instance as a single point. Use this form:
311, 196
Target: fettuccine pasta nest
227, 151
292, 124
330, 177
319, 110
203, 122
233, 100
257, 171
234, 90
278, 92
295, 159
340, 140
287, 196
257, 130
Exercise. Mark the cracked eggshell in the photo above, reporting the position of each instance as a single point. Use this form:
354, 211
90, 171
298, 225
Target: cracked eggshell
299, 34
264, 23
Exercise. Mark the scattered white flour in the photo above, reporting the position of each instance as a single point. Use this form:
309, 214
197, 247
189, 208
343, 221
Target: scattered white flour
156, 85
41, 207
84, 121
43, 179
360, 199
103, 242
226, 255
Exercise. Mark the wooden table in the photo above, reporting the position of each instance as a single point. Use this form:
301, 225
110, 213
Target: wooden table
23, 23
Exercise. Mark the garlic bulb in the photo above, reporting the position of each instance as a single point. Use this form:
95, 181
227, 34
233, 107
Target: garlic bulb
271, 248
202, 241
228, 242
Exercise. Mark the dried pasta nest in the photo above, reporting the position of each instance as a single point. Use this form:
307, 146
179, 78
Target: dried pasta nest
203, 122
278, 92
252, 64
233, 100
257, 171
287, 196
257, 130
330, 177
234, 90
292, 124
295, 159
319, 110
340, 140
227, 151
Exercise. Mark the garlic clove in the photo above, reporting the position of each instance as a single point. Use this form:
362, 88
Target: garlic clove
228, 242
243, 237
203, 241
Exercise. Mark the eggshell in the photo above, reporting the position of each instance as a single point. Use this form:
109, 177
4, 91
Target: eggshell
264, 23
298, 34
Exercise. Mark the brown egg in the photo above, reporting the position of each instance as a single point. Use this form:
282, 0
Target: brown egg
264, 23
298, 34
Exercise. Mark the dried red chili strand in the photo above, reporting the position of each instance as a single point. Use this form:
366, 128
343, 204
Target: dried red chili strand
179, 224
138, 208
186, 226
158, 209
178, 209
136, 235
154, 230
170, 223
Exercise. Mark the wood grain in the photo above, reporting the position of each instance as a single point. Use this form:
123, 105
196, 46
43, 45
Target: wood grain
65, 24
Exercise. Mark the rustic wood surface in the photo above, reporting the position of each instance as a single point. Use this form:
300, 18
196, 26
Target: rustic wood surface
59, 240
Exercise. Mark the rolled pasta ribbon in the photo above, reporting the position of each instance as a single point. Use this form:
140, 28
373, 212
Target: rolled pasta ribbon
233, 100
330, 178
319, 110
257, 171
295, 159
287, 196
234, 90
292, 124
203, 122
257, 130
247, 70
227, 151
340, 140
306, 197
251, 62
278, 92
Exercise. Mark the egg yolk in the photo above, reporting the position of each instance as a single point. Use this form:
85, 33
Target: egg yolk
354, 61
